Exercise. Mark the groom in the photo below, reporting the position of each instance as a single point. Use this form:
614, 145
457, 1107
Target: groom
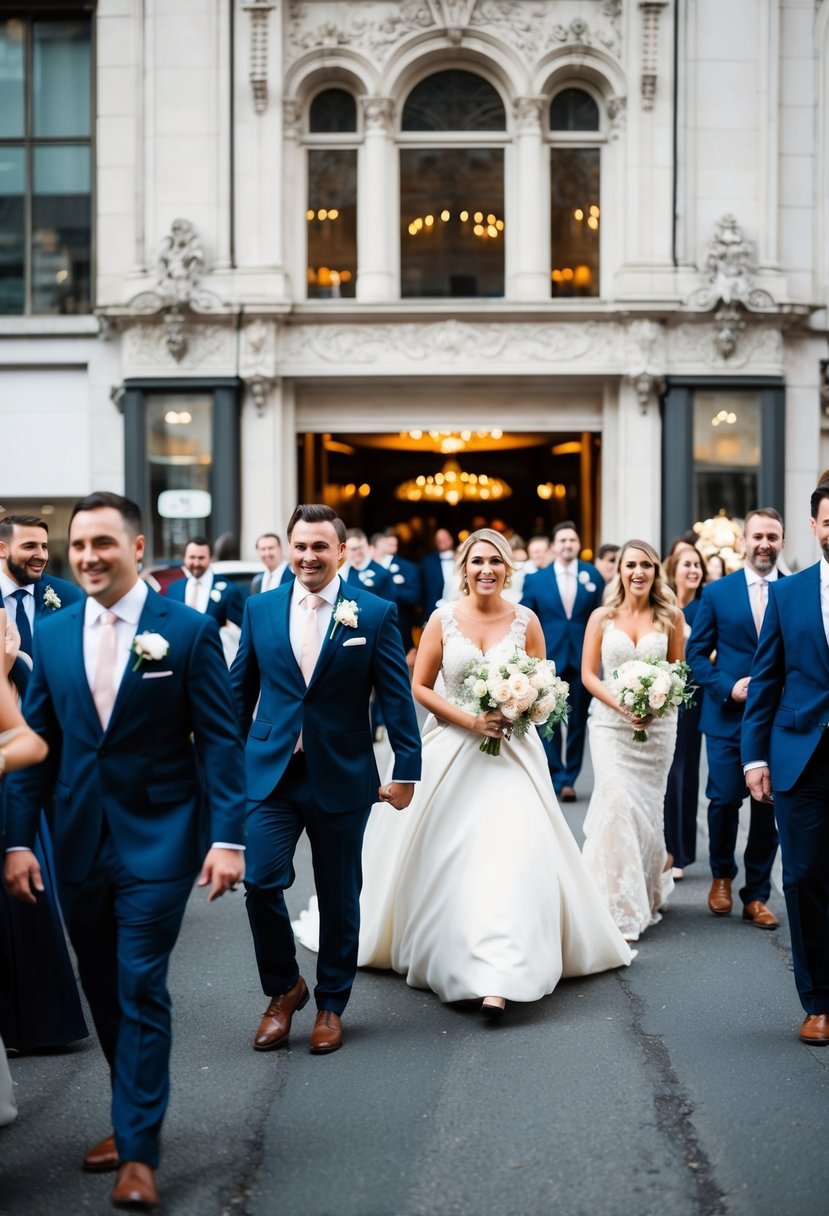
310, 654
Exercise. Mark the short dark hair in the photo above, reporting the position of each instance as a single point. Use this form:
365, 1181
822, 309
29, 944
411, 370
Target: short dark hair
565, 524
201, 541
377, 536
817, 498
129, 511
268, 536
355, 534
770, 512
539, 536
316, 513
606, 550
9, 522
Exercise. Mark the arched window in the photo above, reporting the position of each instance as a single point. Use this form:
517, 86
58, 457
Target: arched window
575, 191
331, 213
453, 132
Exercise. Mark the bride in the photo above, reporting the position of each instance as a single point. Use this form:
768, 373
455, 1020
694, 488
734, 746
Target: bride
624, 836
478, 890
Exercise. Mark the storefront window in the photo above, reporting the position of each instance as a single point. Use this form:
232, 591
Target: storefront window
332, 223
575, 194
179, 457
726, 452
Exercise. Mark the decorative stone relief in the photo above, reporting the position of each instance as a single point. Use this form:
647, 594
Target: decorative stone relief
257, 361
529, 113
208, 347
259, 11
728, 265
693, 346
378, 113
617, 112
291, 118
651, 11
645, 360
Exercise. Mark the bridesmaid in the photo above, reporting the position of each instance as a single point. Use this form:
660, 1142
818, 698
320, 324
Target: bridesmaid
685, 573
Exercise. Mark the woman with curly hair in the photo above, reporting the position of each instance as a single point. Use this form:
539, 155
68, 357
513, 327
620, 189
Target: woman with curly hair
624, 837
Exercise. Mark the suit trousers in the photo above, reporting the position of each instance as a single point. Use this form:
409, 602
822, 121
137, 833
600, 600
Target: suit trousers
803, 820
273, 830
565, 764
726, 793
123, 930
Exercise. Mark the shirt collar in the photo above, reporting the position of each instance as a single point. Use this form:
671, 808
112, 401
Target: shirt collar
329, 593
128, 608
560, 567
8, 586
753, 577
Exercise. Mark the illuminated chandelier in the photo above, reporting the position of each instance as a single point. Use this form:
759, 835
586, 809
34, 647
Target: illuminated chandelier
452, 485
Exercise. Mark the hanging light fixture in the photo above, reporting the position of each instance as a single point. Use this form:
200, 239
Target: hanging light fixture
453, 485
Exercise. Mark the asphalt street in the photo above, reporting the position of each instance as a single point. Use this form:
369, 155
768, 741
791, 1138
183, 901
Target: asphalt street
676, 1085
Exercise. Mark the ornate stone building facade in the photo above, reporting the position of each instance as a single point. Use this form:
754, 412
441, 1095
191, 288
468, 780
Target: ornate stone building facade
290, 290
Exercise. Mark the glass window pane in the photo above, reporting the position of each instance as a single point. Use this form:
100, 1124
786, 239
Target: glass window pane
452, 221
11, 79
179, 445
12, 230
61, 230
726, 453
575, 219
332, 223
454, 101
61, 78
574, 110
333, 110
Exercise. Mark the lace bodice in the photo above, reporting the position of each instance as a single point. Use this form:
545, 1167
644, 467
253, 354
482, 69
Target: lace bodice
618, 648
459, 651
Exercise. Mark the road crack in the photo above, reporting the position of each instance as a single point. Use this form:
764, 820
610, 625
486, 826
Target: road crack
238, 1195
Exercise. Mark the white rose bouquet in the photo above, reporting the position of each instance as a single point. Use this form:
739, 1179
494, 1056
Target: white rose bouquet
651, 688
526, 691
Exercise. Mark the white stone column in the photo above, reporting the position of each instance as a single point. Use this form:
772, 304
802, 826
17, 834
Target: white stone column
376, 210
528, 233
637, 476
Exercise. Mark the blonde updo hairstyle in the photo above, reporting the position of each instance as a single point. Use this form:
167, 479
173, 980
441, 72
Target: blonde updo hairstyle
491, 537
662, 599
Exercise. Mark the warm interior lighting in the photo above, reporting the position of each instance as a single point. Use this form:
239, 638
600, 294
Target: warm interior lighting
570, 448
724, 416
453, 485
488, 226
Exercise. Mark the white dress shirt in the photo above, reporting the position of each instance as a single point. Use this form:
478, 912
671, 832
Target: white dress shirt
272, 578
567, 576
128, 610
7, 588
296, 620
753, 580
204, 586
451, 578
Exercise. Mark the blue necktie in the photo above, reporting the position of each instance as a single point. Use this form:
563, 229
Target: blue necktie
22, 622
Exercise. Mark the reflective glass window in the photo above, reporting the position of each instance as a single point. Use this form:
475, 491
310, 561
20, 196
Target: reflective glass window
331, 223
575, 221
573, 110
12, 98
727, 449
179, 447
454, 101
60, 78
12, 230
334, 111
61, 229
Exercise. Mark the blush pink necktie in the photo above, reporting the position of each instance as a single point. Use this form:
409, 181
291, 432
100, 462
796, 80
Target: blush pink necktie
568, 592
103, 689
760, 604
310, 637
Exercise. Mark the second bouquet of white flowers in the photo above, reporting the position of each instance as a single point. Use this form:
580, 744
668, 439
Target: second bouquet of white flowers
651, 688
526, 691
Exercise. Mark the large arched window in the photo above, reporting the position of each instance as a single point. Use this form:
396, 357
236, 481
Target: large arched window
575, 181
453, 131
331, 212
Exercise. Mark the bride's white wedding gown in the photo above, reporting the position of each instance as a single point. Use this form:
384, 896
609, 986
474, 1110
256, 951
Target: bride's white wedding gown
624, 831
478, 887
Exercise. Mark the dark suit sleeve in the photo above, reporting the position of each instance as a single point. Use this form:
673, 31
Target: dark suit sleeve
256, 584
29, 789
234, 605
768, 675
393, 689
244, 674
701, 645
528, 596
408, 592
216, 734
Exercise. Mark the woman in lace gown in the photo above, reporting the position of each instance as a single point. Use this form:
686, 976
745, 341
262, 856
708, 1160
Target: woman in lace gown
478, 889
624, 846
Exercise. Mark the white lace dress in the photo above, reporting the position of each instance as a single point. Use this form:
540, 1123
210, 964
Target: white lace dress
624, 832
478, 887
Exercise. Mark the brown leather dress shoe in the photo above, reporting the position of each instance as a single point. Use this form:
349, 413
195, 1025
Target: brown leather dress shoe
719, 897
327, 1034
815, 1029
276, 1022
568, 794
102, 1157
135, 1187
759, 915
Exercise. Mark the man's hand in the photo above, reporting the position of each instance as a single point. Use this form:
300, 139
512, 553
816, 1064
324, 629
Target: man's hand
398, 793
22, 875
740, 690
224, 868
758, 781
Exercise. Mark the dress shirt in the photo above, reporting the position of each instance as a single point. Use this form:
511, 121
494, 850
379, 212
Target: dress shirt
204, 586
451, 579
296, 626
128, 610
272, 578
824, 595
753, 580
564, 574
7, 588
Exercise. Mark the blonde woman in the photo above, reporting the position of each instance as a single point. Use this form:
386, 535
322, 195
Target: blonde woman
624, 838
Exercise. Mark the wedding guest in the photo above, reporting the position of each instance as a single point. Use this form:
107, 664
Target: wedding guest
606, 560
129, 688
439, 577
685, 575
277, 567
539, 554
624, 846
359, 570
405, 576
714, 567
202, 590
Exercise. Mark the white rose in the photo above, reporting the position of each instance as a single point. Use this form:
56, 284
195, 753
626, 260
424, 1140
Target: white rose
510, 711
519, 685
500, 691
151, 646
479, 688
656, 698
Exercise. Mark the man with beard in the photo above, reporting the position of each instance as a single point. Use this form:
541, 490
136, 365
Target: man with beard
720, 652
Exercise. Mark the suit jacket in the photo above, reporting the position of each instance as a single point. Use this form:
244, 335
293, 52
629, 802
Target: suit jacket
563, 638
332, 711
140, 775
224, 603
431, 581
373, 578
787, 709
724, 622
68, 593
256, 582
406, 588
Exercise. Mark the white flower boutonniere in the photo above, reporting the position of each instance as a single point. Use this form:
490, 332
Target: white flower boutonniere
149, 646
345, 613
586, 581
215, 595
51, 599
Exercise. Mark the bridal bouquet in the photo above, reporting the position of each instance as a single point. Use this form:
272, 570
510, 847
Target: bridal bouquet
651, 688
526, 691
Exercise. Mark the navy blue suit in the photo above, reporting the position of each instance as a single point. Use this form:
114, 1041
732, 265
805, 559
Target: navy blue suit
327, 788
68, 593
224, 603
406, 588
564, 640
372, 578
682, 791
786, 724
432, 582
130, 829
724, 623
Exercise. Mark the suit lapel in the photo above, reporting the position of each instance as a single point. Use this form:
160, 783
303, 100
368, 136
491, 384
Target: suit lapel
151, 620
75, 668
815, 612
330, 644
279, 620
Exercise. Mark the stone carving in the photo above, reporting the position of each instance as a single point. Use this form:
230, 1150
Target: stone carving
208, 347
291, 118
693, 345
257, 361
651, 10
529, 113
645, 360
378, 113
728, 265
259, 11
617, 112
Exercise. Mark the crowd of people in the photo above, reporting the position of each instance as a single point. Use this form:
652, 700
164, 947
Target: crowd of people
151, 757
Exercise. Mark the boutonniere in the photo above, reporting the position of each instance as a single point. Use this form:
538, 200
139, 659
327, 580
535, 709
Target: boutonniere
216, 593
51, 599
149, 646
345, 613
586, 581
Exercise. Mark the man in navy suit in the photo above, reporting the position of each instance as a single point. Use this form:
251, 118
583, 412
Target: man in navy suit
562, 596
277, 568
439, 578
360, 569
124, 684
200, 589
720, 652
785, 753
405, 577
311, 652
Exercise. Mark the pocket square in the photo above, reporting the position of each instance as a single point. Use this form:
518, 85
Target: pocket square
155, 675
355, 642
